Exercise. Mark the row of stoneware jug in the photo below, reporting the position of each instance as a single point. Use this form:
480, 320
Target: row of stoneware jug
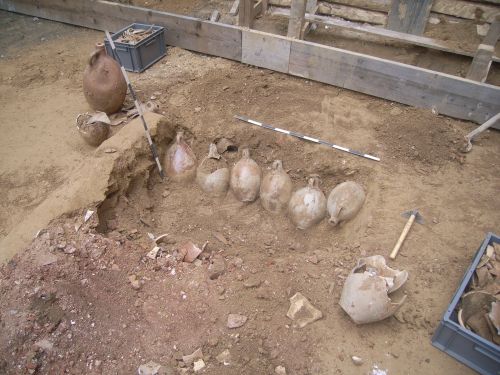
306, 206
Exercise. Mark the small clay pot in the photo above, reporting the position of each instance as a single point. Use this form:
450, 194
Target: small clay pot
103, 84
94, 133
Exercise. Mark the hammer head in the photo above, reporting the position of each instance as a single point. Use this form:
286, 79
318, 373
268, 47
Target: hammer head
418, 218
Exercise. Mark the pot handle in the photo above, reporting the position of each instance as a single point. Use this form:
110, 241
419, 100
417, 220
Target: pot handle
93, 57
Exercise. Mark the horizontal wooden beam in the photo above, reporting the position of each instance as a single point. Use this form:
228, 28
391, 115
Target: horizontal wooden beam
416, 40
446, 94
373, 10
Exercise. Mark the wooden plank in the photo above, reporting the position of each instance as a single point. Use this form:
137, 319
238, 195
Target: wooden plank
246, 13
371, 10
466, 9
182, 31
449, 95
234, 8
265, 50
481, 63
409, 16
347, 12
296, 20
417, 40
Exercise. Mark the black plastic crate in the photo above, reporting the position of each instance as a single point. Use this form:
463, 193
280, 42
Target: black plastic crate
138, 57
464, 345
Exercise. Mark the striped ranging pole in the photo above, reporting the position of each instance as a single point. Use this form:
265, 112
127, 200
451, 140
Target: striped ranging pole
307, 138
137, 106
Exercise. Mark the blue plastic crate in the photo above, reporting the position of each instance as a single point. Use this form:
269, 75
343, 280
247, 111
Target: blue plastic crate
138, 57
464, 345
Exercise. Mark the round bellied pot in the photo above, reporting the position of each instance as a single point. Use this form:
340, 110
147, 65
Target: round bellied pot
103, 84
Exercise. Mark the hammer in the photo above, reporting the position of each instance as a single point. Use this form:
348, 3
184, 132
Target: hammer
412, 215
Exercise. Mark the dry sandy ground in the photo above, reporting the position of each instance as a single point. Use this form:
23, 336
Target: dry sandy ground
116, 328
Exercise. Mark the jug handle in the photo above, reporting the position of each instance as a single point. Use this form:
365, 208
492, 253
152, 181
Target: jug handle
93, 57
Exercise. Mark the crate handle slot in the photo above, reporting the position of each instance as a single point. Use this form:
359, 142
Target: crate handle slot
150, 42
123, 49
485, 352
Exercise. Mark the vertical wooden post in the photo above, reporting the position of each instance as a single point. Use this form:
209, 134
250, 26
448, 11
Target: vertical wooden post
265, 5
409, 16
481, 63
296, 21
245, 15
311, 9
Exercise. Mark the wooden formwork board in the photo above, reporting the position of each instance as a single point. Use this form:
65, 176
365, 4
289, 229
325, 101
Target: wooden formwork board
448, 95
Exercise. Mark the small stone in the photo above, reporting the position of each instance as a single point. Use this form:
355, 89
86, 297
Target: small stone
190, 358
236, 320
136, 284
198, 365
165, 194
302, 311
153, 368
280, 370
216, 268
357, 360
434, 20
313, 259
435, 220
115, 267
213, 342
197, 109
482, 30
44, 344
395, 111
252, 283
224, 357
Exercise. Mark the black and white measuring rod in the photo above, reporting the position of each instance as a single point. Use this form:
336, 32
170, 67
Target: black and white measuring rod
306, 138
138, 106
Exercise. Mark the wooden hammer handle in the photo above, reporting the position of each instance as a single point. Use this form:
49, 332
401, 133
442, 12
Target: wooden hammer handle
402, 237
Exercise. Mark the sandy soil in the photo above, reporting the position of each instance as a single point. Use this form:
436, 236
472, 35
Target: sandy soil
83, 303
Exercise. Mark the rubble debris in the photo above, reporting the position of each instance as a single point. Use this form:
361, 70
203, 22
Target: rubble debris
153, 368
358, 361
198, 365
153, 254
194, 356
220, 238
217, 267
88, 215
224, 145
301, 311
134, 282
45, 345
224, 357
365, 296
252, 282
190, 251
280, 370
236, 320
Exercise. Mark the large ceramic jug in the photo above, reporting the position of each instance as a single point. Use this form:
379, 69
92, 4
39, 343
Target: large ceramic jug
103, 83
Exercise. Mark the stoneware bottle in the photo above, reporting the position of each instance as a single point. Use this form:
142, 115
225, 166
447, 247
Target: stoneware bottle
276, 189
307, 206
103, 84
245, 178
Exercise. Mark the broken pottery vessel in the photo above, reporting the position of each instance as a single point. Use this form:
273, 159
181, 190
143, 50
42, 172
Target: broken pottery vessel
212, 174
307, 206
180, 160
365, 296
94, 128
276, 188
103, 84
245, 178
345, 201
